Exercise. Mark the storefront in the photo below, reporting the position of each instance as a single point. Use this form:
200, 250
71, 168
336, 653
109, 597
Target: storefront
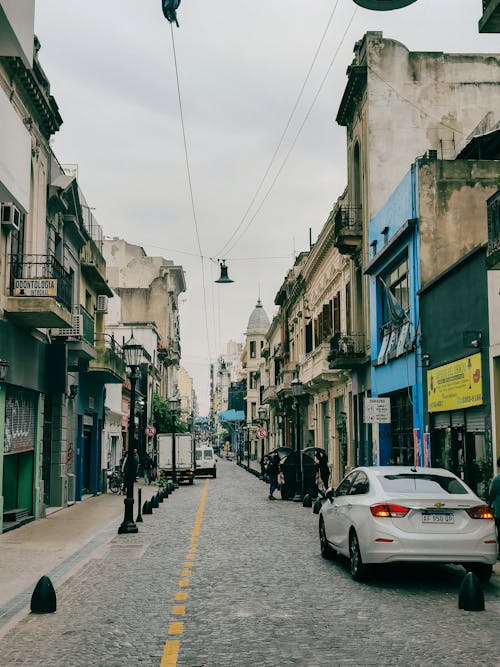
20, 453
459, 433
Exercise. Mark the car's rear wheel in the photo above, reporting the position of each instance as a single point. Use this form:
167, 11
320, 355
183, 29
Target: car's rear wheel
358, 568
482, 571
326, 549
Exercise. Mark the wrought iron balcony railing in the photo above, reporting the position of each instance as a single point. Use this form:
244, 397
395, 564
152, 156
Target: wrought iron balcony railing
87, 326
347, 350
39, 276
348, 229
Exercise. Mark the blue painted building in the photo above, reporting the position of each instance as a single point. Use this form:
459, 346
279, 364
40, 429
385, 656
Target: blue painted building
396, 371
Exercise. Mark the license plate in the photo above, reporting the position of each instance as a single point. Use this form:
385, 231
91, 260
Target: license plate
438, 517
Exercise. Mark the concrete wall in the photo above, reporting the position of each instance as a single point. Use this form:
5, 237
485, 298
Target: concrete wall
452, 210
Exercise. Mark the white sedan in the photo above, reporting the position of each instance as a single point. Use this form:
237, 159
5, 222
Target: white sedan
391, 514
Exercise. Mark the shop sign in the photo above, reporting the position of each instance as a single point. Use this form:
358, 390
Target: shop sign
35, 287
455, 386
20, 410
377, 411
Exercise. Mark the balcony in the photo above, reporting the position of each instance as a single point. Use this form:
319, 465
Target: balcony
93, 266
169, 354
347, 351
109, 364
315, 371
39, 292
490, 20
493, 250
348, 230
79, 339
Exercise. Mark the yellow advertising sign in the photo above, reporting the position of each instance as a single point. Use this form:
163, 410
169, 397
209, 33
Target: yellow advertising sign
455, 386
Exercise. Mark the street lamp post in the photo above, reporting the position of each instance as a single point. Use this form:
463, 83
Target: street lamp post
297, 389
174, 406
133, 355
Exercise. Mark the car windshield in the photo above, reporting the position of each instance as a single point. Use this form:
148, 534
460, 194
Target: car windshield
418, 483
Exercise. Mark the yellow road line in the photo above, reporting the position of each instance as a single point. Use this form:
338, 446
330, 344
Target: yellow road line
181, 596
172, 646
176, 628
170, 653
178, 610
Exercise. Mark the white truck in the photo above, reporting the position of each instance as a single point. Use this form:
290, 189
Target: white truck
184, 456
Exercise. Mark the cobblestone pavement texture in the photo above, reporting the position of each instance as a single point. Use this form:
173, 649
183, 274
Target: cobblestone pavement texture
259, 594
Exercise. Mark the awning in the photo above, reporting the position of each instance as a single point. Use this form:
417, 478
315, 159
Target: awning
232, 416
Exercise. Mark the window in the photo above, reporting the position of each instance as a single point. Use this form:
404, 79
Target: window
345, 486
253, 352
336, 313
348, 308
309, 337
396, 280
422, 483
360, 485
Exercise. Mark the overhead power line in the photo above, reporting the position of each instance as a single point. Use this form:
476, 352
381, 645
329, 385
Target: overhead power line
287, 125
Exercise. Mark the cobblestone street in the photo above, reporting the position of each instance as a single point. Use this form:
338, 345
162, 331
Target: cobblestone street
230, 578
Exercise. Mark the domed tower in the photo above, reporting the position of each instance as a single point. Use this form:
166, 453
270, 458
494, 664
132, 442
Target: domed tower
255, 340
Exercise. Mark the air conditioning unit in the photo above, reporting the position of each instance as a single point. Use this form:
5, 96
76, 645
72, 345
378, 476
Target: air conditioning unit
74, 332
10, 216
101, 304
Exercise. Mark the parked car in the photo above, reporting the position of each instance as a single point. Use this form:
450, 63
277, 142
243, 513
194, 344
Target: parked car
205, 461
394, 514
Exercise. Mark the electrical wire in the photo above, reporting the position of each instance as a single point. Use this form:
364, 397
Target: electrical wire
204, 291
285, 160
287, 125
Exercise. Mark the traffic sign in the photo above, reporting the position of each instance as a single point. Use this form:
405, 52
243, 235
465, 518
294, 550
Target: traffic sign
378, 411
261, 433
150, 430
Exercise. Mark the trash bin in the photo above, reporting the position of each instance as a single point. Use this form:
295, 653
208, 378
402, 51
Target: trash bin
288, 466
309, 471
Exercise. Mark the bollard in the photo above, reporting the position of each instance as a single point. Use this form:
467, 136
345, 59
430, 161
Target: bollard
146, 508
307, 502
159, 495
470, 596
154, 502
317, 505
139, 502
43, 600
165, 492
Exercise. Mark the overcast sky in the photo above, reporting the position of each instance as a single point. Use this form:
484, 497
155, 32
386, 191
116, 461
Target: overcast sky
241, 66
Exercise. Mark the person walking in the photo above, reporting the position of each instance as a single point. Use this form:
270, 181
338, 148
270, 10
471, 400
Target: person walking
494, 499
323, 471
273, 468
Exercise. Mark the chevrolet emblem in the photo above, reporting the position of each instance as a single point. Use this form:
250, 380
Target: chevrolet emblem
438, 504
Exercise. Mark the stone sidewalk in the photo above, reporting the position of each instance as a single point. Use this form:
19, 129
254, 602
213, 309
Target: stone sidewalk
55, 546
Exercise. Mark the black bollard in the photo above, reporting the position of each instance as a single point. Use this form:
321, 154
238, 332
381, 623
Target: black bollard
139, 502
317, 505
159, 495
146, 508
43, 600
307, 502
470, 596
165, 492
154, 502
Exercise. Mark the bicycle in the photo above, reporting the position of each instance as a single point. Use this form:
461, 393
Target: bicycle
115, 481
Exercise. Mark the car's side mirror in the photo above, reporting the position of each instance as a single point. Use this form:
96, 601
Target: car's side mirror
330, 494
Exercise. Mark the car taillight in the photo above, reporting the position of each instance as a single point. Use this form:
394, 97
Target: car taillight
382, 510
480, 512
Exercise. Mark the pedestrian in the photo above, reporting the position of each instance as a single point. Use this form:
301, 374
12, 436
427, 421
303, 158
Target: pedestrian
273, 468
494, 499
322, 471
137, 463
